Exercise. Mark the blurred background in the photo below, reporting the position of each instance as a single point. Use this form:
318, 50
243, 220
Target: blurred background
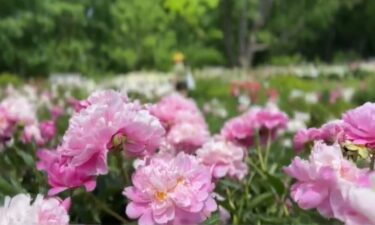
40, 37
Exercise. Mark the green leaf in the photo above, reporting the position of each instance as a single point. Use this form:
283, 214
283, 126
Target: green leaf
276, 184
27, 158
6, 188
259, 200
214, 219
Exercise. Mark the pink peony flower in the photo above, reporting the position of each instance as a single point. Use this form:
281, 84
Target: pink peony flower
32, 133
175, 190
239, 131
187, 137
19, 110
47, 129
185, 125
359, 124
225, 158
174, 109
331, 132
321, 176
83, 153
56, 112
19, 211
62, 175
6, 127
357, 203
265, 122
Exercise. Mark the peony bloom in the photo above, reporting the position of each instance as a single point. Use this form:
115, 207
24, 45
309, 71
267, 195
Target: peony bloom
331, 132
184, 123
262, 122
359, 125
47, 129
321, 176
175, 190
62, 175
187, 137
19, 110
32, 133
19, 211
6, 127
225, 158
83, 153
358, 203
56, 112
268, 122
174, 109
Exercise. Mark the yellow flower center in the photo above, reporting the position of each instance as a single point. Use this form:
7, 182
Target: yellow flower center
118, 140
180, 180
160, 196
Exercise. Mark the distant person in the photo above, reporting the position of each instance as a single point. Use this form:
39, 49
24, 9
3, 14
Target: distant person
183, 79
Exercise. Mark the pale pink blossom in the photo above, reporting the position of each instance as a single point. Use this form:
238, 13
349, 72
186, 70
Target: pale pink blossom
359, 124
56, 112
6, 127
264, 123
62, 175
239, 130
321, 176
331, 132
171, 190
187, 137
361, 201
224, 157
31, 133
108, 122
20, 210
19, 109
174, 109
47, 129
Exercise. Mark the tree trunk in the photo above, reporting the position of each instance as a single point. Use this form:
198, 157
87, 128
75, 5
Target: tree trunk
251, 46
226, 9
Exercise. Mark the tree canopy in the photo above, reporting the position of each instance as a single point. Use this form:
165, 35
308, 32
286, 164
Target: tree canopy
38, 37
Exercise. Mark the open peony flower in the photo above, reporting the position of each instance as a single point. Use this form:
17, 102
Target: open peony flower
359, 124
225, 158
331, 132
63, 175
323, 176
19, 109
357, 205
108, 122
173, 190
265, 122
239, 131
20, 211
184, 123
173, 109
47, 129
187, 137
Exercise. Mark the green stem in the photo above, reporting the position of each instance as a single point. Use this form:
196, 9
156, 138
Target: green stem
106, 209
260, 156
122, 168
267, 148
372, 162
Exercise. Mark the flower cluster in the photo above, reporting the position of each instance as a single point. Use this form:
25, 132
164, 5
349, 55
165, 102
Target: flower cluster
82, 155
184, 123
323, 183
224, 157
330, 133
330, 181
171, 189
18, 116
42, 211
262, 123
